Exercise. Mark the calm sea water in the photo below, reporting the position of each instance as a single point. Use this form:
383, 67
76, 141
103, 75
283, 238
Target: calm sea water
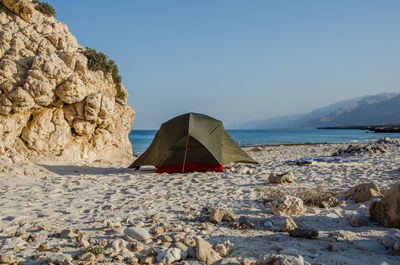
141, 139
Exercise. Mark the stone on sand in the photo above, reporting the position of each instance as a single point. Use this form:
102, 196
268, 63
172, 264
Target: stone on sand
68, 233
137, 233
137, 246
205, 253
392, 241
58, 257
288, 205
118, 245
358, 220
219, 214
43, 247
386, 211
180, 245
289, 224
281, 178
330, 202
170, 255
276, 259
363, 192
245, 170
227, 261
304, 232
7, 258
223, 249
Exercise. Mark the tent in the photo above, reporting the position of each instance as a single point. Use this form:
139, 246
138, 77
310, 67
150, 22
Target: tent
191, 142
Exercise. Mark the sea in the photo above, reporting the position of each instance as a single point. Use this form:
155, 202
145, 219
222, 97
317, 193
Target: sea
141, 139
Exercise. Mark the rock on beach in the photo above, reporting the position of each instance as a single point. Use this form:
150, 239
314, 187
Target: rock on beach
386, 211
205, 253
288, 205
137, 233
363, 192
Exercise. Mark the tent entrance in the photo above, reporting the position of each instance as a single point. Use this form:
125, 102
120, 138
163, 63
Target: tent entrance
198, 158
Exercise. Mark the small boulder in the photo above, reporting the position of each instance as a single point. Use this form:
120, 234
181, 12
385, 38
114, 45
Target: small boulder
268, 224
289, 224
7, 258
158, 230
288, 205
58, 257
148, 260
386, 211
137, 246
118, 245
244, 222
245, 170
137, 233
363, 192
205, 253
87, 257
223, 249
68, 233
169, 256
330, 202
275, 259
43, 247
282, 178
228, 261
180, 245
304, 232
357, 220
248, 261
392, 241
219, 214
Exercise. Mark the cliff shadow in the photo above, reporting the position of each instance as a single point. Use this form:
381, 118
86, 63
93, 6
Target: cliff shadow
64, 170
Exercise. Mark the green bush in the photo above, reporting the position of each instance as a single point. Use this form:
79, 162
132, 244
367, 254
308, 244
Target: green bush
96, 250
99, 61
44, 8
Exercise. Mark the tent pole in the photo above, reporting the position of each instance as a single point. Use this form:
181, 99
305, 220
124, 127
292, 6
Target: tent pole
186, 148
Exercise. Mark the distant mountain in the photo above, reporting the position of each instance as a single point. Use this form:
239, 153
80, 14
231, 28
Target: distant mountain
370, 110
366, 110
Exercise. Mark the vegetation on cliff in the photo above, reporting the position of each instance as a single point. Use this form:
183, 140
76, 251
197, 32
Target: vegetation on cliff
99, 61
44, 8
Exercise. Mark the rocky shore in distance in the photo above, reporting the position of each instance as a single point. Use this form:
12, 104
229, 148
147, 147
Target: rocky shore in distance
390, 128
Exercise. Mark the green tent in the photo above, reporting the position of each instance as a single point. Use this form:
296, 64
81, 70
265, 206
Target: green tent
191, 142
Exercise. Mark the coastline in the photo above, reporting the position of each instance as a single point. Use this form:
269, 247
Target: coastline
102, 201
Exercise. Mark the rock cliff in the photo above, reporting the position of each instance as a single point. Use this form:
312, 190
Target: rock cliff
53, 108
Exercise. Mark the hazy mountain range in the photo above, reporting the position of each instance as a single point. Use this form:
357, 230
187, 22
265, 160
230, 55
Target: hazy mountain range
368, 110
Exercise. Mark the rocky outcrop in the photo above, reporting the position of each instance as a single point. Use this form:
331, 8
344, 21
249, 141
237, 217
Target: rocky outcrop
52, 107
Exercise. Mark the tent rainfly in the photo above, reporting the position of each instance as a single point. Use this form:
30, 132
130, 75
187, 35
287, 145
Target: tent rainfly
191, 142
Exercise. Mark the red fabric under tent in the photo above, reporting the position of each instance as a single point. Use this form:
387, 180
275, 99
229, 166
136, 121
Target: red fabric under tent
190, 167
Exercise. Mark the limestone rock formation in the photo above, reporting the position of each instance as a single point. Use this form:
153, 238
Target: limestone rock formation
281, 178
363, 192
387, 210
288, 205
53, 109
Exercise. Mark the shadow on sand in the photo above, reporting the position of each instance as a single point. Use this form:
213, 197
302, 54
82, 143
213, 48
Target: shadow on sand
86, 170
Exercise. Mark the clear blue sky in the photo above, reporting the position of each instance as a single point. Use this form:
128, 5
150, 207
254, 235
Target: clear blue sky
241, 60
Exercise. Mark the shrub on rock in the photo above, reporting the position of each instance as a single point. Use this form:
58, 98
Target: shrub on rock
44, 8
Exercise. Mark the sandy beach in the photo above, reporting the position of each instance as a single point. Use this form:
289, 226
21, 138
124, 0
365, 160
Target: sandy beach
38, 202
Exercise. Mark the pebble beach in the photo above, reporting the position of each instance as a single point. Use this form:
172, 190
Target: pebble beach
104, 213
